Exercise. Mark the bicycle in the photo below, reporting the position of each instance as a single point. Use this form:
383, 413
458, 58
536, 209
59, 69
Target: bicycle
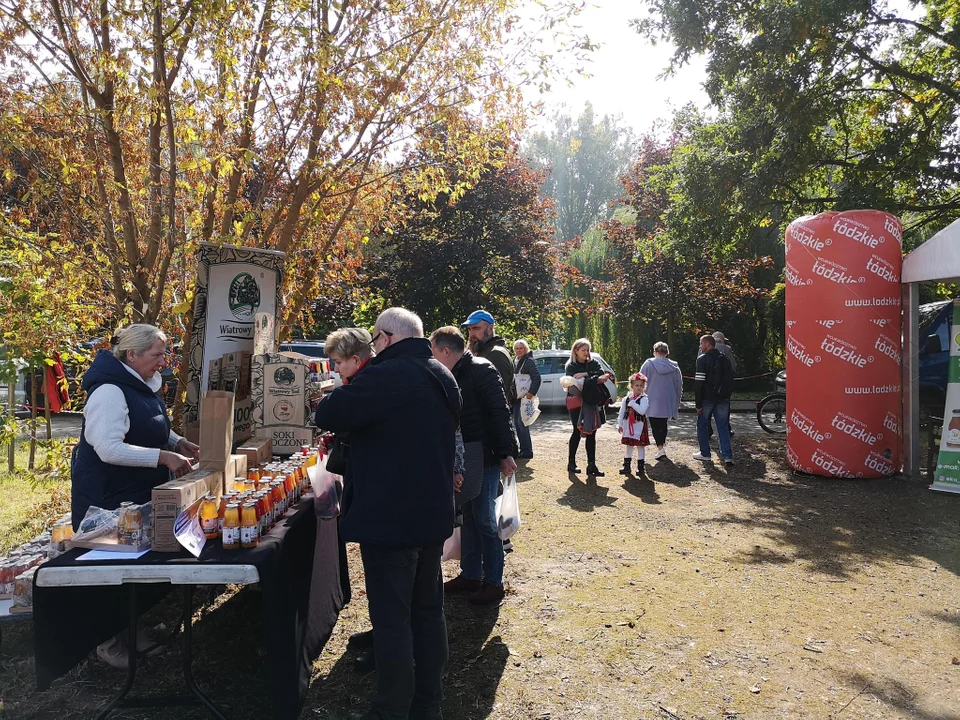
772, 410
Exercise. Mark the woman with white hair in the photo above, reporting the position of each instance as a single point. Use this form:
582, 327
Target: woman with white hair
523, 365
126, 445
664, 388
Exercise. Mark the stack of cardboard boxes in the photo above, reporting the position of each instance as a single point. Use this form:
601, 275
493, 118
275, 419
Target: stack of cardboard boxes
216, 473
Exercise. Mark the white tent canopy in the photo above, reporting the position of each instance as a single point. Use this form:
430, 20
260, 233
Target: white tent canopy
938, 259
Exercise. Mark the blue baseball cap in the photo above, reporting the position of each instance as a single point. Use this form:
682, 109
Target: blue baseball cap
476, 316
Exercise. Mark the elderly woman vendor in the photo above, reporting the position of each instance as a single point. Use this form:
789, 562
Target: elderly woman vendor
126, 446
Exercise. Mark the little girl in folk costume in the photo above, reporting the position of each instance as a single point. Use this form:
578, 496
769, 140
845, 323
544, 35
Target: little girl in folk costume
632, 423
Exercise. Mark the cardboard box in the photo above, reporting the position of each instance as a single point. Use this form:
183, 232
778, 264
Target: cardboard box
235, 372
212, 477
213, 379
287, 440
239, 463
169, 500
257, 451
279, 392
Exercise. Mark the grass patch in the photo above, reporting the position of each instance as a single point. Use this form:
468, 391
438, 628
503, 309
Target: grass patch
32, 500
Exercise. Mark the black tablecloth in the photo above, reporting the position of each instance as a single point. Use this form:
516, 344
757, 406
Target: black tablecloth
303, 577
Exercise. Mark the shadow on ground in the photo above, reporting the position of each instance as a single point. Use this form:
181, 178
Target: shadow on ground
836, 525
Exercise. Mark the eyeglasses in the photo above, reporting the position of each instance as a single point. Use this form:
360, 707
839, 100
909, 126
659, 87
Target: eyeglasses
382, 332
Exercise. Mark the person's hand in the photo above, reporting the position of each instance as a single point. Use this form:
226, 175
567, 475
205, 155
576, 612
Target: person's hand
175, 462
620, 430
191, 450
606, 376
508, 466
699, 411
529, 396
457, 481
580, 375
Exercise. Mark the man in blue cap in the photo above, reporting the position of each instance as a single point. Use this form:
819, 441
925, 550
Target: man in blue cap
484, 343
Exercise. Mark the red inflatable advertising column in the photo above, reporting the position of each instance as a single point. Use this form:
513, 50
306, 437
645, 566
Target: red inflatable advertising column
843, 344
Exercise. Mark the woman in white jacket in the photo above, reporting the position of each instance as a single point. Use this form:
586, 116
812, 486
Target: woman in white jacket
664, 387
632, 424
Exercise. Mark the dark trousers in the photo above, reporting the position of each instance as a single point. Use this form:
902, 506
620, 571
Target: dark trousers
575, 441
659, 427
405, 597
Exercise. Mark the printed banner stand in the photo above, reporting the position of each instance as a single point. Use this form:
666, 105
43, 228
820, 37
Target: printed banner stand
947, 477
234, 286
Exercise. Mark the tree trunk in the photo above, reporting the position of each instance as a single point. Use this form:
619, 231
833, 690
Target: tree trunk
11, 400
46, 406
33, 419
670, 328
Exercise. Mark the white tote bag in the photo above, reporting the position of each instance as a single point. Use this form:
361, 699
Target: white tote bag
521, 382
529, 410
508, 509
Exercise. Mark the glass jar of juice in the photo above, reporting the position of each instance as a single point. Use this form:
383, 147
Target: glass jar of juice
231, 527
249, 526
209, 517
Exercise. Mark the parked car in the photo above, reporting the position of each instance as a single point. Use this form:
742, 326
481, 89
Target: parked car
936, 323
550, 363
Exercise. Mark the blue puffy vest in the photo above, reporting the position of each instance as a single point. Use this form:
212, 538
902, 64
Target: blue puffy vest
95, 482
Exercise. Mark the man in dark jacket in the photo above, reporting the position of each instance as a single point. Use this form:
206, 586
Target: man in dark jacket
486, 344
485, 419
712, 385
401, 413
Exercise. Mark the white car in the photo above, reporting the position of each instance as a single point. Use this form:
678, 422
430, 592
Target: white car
550, 363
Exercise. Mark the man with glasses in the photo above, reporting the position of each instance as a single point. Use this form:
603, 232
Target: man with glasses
401, 413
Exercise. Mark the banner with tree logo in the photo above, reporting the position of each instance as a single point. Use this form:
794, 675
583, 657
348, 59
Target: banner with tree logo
234, 285
947, 477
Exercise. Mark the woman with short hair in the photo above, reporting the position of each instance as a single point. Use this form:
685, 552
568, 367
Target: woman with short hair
664, 388
523, 365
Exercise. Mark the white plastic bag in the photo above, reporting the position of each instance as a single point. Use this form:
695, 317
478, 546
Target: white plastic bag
451, 547
508, 509
326, 501
529, 410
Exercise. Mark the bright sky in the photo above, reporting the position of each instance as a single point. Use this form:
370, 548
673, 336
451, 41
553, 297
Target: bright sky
625, 69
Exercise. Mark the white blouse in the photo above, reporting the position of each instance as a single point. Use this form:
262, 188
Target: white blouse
107, 421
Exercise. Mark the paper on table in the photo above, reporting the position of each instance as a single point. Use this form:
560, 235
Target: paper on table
107, 555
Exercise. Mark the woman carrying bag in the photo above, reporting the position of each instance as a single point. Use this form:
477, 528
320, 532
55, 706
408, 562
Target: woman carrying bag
585, 405
525, 375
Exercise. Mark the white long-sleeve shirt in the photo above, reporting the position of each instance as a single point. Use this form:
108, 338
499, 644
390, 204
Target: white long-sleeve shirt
107, 421
639, 406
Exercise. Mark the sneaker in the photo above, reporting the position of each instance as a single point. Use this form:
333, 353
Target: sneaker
488, 595
462, 584
365, 662
507, 546
660, 454
114, 653
702, 458
728, 461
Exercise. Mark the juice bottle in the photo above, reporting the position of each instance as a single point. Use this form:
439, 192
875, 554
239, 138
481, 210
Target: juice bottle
264, 482
224, 501
253, 474
209, 517
231, 527
249, 526
262, 513
952, 438
278, 500
238, 483
271, 509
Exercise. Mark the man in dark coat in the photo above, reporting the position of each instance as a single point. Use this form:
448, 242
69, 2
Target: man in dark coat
712, 387
485, 419
486, 344
401, 413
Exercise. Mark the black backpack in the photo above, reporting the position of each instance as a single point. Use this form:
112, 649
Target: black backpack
721, 379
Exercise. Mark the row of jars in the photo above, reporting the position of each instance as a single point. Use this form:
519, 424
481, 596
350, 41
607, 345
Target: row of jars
256, 502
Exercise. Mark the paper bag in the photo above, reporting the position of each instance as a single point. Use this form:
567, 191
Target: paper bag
216, 428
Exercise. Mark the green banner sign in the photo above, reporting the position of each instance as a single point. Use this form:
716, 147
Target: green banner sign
947, 478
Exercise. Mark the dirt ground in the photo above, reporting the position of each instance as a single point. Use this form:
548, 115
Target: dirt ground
698, 593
